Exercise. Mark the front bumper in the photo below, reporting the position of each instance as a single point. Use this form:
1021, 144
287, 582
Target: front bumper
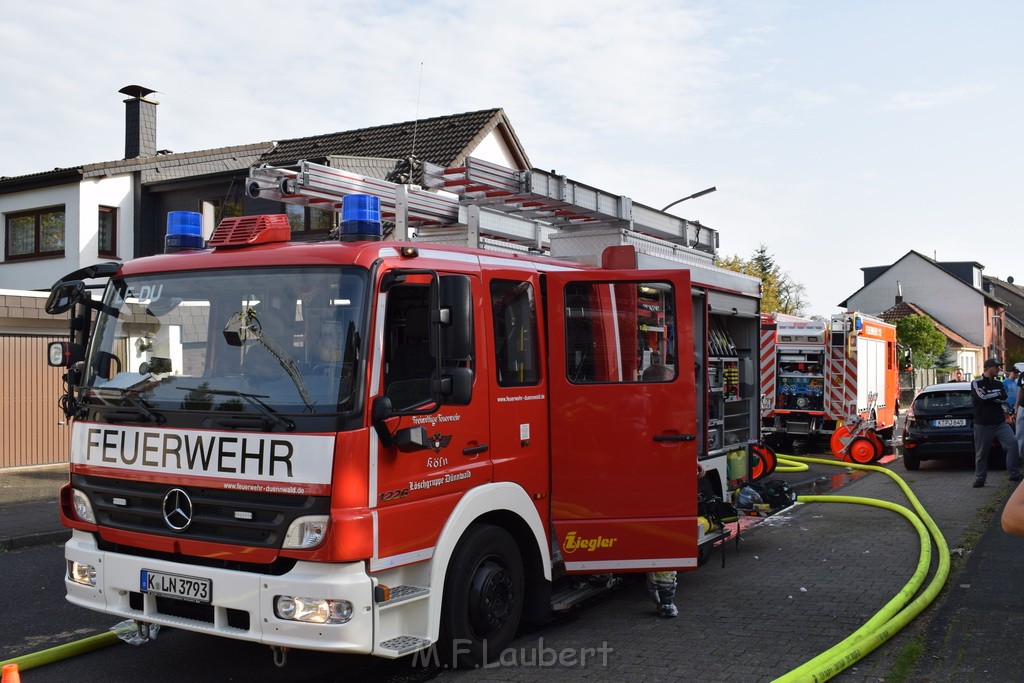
242, 604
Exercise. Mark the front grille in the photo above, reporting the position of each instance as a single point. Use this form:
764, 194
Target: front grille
190, 610
139, 508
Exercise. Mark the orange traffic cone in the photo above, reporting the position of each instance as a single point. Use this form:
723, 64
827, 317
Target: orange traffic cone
11, 674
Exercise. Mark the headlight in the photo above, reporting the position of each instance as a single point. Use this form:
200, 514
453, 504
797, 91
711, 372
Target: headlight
306, 532
83, 508
84, 574
312, 610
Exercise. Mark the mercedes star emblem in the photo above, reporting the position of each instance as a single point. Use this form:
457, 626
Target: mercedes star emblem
177, 508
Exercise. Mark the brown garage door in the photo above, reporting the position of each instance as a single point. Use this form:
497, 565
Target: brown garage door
33, 429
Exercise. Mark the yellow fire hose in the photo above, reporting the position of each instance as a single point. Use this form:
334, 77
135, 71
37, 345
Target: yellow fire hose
897, 613
55, 654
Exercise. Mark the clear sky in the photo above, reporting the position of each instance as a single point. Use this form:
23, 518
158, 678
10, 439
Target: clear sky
839, 134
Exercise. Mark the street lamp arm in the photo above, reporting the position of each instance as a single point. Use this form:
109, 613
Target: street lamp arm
692, 196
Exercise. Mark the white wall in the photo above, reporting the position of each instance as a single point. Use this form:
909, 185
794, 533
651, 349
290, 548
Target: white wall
494, 150
81, 227
96, 192
43, 273
952, 301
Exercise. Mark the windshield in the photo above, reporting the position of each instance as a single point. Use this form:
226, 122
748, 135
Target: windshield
261, 341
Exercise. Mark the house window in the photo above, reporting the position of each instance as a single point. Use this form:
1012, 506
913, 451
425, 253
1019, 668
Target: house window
108, 231
35, 234
309, 220
217, 209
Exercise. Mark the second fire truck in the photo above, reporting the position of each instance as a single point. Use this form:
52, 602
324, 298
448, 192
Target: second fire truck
836, 381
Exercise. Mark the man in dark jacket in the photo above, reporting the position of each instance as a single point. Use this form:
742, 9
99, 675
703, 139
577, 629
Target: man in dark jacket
990, 423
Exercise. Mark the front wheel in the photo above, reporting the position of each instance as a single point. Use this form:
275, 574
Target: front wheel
483, 597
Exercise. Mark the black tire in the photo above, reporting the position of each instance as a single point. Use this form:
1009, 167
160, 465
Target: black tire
911, 461
704, 553
483, 597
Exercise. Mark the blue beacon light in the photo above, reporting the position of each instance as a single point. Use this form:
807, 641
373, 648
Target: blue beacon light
184, 231
360, 218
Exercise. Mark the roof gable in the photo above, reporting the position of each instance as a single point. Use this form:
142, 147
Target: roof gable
442, 140
872, 273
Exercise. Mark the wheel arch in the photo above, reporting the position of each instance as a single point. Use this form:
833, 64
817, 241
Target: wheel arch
508, 506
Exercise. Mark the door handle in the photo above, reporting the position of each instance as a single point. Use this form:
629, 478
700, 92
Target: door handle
473, 450
675, 437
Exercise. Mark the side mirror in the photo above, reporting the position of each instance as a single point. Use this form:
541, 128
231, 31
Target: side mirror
456, 300
64, 354
412, 439
457, 386
379, 412
63, 296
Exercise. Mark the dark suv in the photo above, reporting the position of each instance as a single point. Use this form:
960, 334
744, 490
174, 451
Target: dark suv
940, 423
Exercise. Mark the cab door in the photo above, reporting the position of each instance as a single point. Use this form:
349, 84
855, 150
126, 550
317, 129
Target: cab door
623, 430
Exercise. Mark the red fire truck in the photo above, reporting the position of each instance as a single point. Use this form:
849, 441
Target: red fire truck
370, 446
862, 386
793, 353
837, 380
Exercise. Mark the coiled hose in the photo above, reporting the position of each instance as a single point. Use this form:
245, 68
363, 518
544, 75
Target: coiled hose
897, 613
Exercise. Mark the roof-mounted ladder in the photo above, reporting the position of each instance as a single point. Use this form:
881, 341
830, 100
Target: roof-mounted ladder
482, 204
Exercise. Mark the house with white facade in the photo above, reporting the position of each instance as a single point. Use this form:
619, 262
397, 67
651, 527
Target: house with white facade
58, 221
954, 292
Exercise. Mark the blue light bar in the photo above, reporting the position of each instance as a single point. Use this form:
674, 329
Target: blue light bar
184, 231
360, 218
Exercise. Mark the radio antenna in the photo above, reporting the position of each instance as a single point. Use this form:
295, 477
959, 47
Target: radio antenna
416, 123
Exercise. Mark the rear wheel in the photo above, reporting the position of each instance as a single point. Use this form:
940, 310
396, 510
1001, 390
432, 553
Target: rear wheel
483, 597
911, 460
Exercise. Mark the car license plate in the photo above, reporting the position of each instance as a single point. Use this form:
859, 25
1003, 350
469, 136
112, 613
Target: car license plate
958, 422
191, 588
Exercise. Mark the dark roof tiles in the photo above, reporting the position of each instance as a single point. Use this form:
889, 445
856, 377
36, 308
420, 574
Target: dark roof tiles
441, 140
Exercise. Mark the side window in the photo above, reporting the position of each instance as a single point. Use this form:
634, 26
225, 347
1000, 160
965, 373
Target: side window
410, 363
514, 317
620, 332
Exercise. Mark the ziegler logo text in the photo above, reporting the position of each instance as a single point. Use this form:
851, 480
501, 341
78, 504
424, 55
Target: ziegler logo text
573, 543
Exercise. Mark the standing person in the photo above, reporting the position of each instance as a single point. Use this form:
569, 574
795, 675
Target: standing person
661, 586
990, 413
958, 376
1010, 385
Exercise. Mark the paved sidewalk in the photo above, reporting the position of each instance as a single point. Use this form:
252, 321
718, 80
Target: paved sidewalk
29, 506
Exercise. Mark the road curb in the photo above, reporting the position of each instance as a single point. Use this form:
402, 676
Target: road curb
35, 539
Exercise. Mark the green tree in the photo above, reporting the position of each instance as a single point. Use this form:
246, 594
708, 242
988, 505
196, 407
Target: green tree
924, 339
780, 293
946, 359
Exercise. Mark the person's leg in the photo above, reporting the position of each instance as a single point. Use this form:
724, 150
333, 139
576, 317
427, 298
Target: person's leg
1008, 441
1020, 431
662, 588
982, 441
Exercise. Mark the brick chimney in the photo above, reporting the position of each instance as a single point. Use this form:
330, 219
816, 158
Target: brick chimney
139, 122
899, 292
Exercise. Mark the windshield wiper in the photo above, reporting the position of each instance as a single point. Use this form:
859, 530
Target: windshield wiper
270, 416
139, 408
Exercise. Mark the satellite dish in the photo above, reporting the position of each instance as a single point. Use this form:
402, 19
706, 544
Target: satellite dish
1010, 279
